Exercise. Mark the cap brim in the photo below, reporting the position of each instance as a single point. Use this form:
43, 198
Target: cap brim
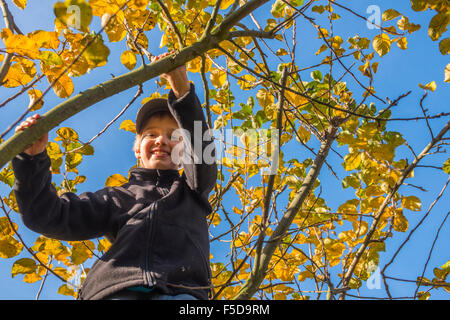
148, 109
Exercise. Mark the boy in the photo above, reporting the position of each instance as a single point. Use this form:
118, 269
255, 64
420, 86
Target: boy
156, 222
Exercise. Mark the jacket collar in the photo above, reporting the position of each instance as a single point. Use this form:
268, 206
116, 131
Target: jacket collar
153, 175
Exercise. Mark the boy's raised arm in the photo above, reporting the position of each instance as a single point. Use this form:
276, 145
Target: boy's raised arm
201, 168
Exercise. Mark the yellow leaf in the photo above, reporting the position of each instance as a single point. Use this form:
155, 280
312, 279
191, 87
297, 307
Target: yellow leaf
296, 99
66, 290
63, 87
23, 266
304, 134
113, 28
128, 125
405, 25
35, 95
438, 25
225, 4
16, 77
402, 43
195, 65
444, 46
31, 278
45, 39
352, 161
66, 135
422, 295
128, 59
335, 250
374, 191
390, 14
305, 275
115, 180
215, 219
284, 271
447, 73
400, 222
430, 86
9, 247
265, 98
103, 245
381, 44
246, 82
217, 77
81, 251
22, 45
412, 203
20, 3
5, 227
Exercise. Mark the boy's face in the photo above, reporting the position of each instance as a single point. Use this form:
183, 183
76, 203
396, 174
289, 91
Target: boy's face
155, 144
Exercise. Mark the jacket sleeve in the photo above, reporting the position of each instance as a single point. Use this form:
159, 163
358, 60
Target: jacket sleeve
199, 154
66, 217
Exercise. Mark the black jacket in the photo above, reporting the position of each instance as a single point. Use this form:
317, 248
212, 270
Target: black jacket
156, 222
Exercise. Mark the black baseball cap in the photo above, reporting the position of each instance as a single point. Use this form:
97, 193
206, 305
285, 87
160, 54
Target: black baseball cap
148, 109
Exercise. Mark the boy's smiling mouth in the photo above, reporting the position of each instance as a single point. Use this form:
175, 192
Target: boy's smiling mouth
159, 153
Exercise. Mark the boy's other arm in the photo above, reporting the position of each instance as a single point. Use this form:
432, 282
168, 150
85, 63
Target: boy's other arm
69, 217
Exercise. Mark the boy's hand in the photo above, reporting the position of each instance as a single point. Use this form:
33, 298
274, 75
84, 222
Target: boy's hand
38, 146
177, 78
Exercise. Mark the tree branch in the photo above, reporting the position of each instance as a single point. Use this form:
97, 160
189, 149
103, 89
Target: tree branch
257, 274
9, 23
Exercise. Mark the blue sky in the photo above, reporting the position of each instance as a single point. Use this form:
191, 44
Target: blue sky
399, 72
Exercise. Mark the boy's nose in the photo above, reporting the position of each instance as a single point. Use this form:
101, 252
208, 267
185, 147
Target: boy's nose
161, 139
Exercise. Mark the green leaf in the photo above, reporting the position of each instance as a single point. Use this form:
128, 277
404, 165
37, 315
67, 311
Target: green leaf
23, 266
50, 59
277, 8
316, 75
96, 53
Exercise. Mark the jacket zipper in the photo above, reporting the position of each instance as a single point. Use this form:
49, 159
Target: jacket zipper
149, 277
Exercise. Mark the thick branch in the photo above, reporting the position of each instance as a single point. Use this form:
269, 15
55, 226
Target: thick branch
257, 275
